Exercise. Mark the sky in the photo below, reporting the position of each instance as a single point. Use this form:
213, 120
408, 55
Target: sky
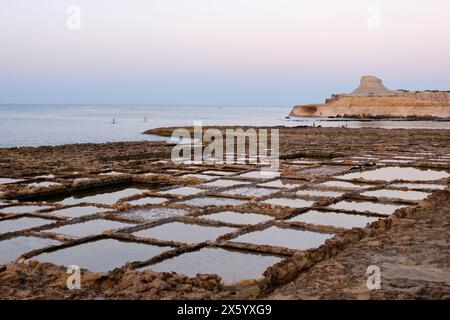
211, 52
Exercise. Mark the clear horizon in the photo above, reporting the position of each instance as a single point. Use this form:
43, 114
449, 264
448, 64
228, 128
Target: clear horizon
218, 53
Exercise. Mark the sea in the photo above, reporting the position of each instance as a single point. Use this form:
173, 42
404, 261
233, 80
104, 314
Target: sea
50, 125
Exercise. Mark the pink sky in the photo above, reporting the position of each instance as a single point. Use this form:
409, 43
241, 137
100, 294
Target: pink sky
218, 52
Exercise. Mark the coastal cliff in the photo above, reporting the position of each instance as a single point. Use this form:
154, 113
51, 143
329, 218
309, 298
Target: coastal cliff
372, 100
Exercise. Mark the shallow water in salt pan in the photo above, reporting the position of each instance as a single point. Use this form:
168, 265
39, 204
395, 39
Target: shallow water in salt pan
343, 185
76, 212
106, 197
250, 192
393, 161
11, 249
419, 186
12, 225
231, 266
293, 203
111, 173
237, 217
396, 194
260, 175
47, 176
385, 209
183, 232
222, 183
90, 227
212, 201
407, 157
148, 200
340, 220
44, 184
303, 161
183, 191
288, 238
153, 214
323, 170
8, 180
283, 183
318, 193
23, 209
102, 255
397, 173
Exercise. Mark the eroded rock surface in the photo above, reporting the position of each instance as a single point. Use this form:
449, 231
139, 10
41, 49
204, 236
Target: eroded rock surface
103, 186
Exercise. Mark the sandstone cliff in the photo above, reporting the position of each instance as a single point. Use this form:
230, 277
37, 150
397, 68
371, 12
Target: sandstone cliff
372, 100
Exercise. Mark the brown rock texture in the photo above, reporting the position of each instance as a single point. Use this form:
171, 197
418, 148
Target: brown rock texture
35, 280
411, 246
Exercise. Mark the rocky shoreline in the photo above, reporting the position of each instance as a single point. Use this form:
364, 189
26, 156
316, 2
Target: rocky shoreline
411, 244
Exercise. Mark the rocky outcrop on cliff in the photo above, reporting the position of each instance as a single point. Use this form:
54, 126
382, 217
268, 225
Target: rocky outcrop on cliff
436, 96
371, 85
372, 100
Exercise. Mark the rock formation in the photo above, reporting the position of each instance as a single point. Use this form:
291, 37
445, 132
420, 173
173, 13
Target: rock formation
373, 100
371, 86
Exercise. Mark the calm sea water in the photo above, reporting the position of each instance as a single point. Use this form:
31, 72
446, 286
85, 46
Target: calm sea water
36, 125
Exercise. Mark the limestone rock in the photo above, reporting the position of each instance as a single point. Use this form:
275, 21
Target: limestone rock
373, 100
371, 86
